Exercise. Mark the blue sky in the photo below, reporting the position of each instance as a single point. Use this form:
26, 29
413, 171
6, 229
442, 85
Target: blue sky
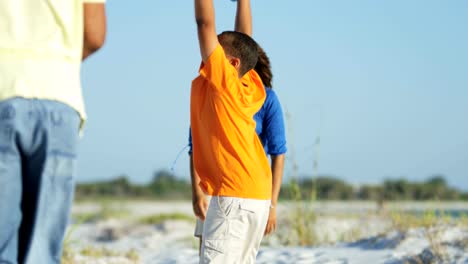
383, 83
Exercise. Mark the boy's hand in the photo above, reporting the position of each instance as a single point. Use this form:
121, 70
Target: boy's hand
271, 224
200, 206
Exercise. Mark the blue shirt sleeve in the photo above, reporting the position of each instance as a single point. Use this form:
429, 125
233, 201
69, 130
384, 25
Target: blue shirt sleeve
273, 125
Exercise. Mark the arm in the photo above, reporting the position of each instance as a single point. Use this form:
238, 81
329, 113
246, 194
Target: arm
275, 133
277, 167
94, 28
244, 17
199, 203
205, 19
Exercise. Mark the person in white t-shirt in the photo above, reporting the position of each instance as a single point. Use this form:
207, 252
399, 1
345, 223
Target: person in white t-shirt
42, 45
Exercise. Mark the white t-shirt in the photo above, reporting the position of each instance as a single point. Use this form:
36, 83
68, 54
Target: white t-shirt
41, 45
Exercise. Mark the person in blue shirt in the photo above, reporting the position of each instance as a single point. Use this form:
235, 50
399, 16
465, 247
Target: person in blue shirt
271, 131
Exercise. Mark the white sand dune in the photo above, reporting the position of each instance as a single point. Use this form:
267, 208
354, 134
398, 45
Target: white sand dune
414, 249
171, 241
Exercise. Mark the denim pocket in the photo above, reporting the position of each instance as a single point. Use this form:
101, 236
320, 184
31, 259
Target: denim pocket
64, 129
7, 128
60, 170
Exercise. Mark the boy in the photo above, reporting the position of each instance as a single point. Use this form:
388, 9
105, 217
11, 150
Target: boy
227, 153
42, 44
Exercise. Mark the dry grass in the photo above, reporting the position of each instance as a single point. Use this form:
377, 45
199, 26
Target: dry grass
107, 210
462, 221
160, 218
433, 225
302, 220
462, 244
130, 256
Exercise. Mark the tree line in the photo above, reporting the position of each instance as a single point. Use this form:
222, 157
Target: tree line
166, 185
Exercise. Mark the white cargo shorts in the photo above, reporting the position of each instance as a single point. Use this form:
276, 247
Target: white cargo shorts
233, 230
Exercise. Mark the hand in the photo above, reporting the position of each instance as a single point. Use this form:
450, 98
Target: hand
200, 206
271, 224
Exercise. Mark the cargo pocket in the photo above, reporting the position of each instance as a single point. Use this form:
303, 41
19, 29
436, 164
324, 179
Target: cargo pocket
239, 225
213, 250
249, 208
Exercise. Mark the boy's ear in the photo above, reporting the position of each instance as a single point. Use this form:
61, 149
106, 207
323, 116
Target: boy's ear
235, 62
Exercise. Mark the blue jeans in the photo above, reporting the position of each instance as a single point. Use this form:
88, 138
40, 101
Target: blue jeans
38, 145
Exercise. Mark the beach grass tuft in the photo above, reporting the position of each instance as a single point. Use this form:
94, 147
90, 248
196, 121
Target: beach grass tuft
160, 218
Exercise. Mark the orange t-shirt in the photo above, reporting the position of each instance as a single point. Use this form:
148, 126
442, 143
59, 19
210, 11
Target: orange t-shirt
227, 153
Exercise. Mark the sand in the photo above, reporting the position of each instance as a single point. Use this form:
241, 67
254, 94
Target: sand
344, 233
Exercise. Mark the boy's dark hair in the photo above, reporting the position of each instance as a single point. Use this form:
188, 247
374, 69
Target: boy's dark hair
241, 46
263, 68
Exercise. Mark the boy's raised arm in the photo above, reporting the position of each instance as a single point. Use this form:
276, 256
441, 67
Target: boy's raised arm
244, 17
205, 19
